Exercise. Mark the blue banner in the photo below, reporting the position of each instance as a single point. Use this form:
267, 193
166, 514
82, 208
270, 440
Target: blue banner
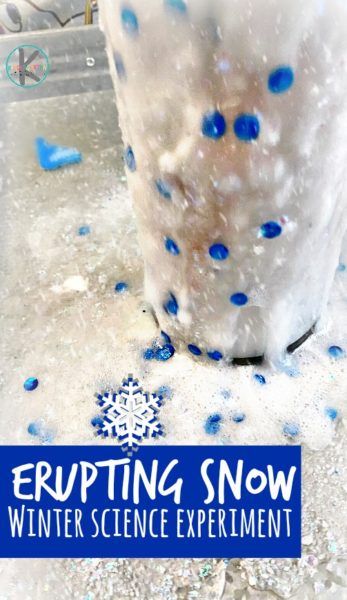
164, 501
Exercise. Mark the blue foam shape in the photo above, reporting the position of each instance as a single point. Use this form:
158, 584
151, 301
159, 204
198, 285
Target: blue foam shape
53, 156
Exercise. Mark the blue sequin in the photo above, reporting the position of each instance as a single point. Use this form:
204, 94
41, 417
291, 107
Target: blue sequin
213, 423
218, 252
129, 158
226, 394
179, 5
119, 64
34, 428
129, 21
291, 429
166, 337
163, 188
84, 230
149, 354
120, 287
165, 352
171, 247
239, 299
215, 355
171, 305
331, 413
246, 127
194, 349
280, 80
213, 125
259, 378
238, 417
31, 384
336, 352
270, 230
97, 421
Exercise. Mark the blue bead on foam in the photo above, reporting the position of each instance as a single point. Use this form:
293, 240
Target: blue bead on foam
247, 127
239, 299
331, 413
129, 21
194, 349
163, 188
213, 125
121, 287
259, 378
129, 158
171, 305
270, 230
238, 417
281, 79
213, 423
215, 355
336, 352
172, 247
218, 252
31, 384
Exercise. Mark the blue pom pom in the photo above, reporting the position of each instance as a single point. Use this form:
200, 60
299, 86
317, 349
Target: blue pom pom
246, 127
179, 5
171, 305
149, 354
291, 429
31, 384
280, 80
51, 156
129, 158
194, 349
120, 68
215, 355
259, 378
331, 413
213, 125
270, 230
121, 287
218, 252
238, 417
84, 230
172, 247
239, 299
336, 352
129, 21
165, 352
163, 188
213, 423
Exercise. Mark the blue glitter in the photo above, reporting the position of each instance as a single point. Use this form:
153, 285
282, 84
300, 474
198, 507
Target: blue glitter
239, 299
270, 230
215, 355
341, 268
121, 287
226, 394
149, 354
129, 158
165, 352
165, 337
246, 127
165, 391
97, 421
34, 428
179, 5
120, 68
84, 230
238, 417
218, 252
163, 188
129, 21
336, 352
212, 425
291, 429
31, 384
259, 378
171, 247
280, 80
171, 305
331, 413
213, 125
194, 349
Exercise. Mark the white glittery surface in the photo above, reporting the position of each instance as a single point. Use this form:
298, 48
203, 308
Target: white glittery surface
63, 323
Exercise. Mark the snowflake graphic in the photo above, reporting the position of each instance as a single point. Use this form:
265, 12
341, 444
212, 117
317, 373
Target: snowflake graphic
129, 415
